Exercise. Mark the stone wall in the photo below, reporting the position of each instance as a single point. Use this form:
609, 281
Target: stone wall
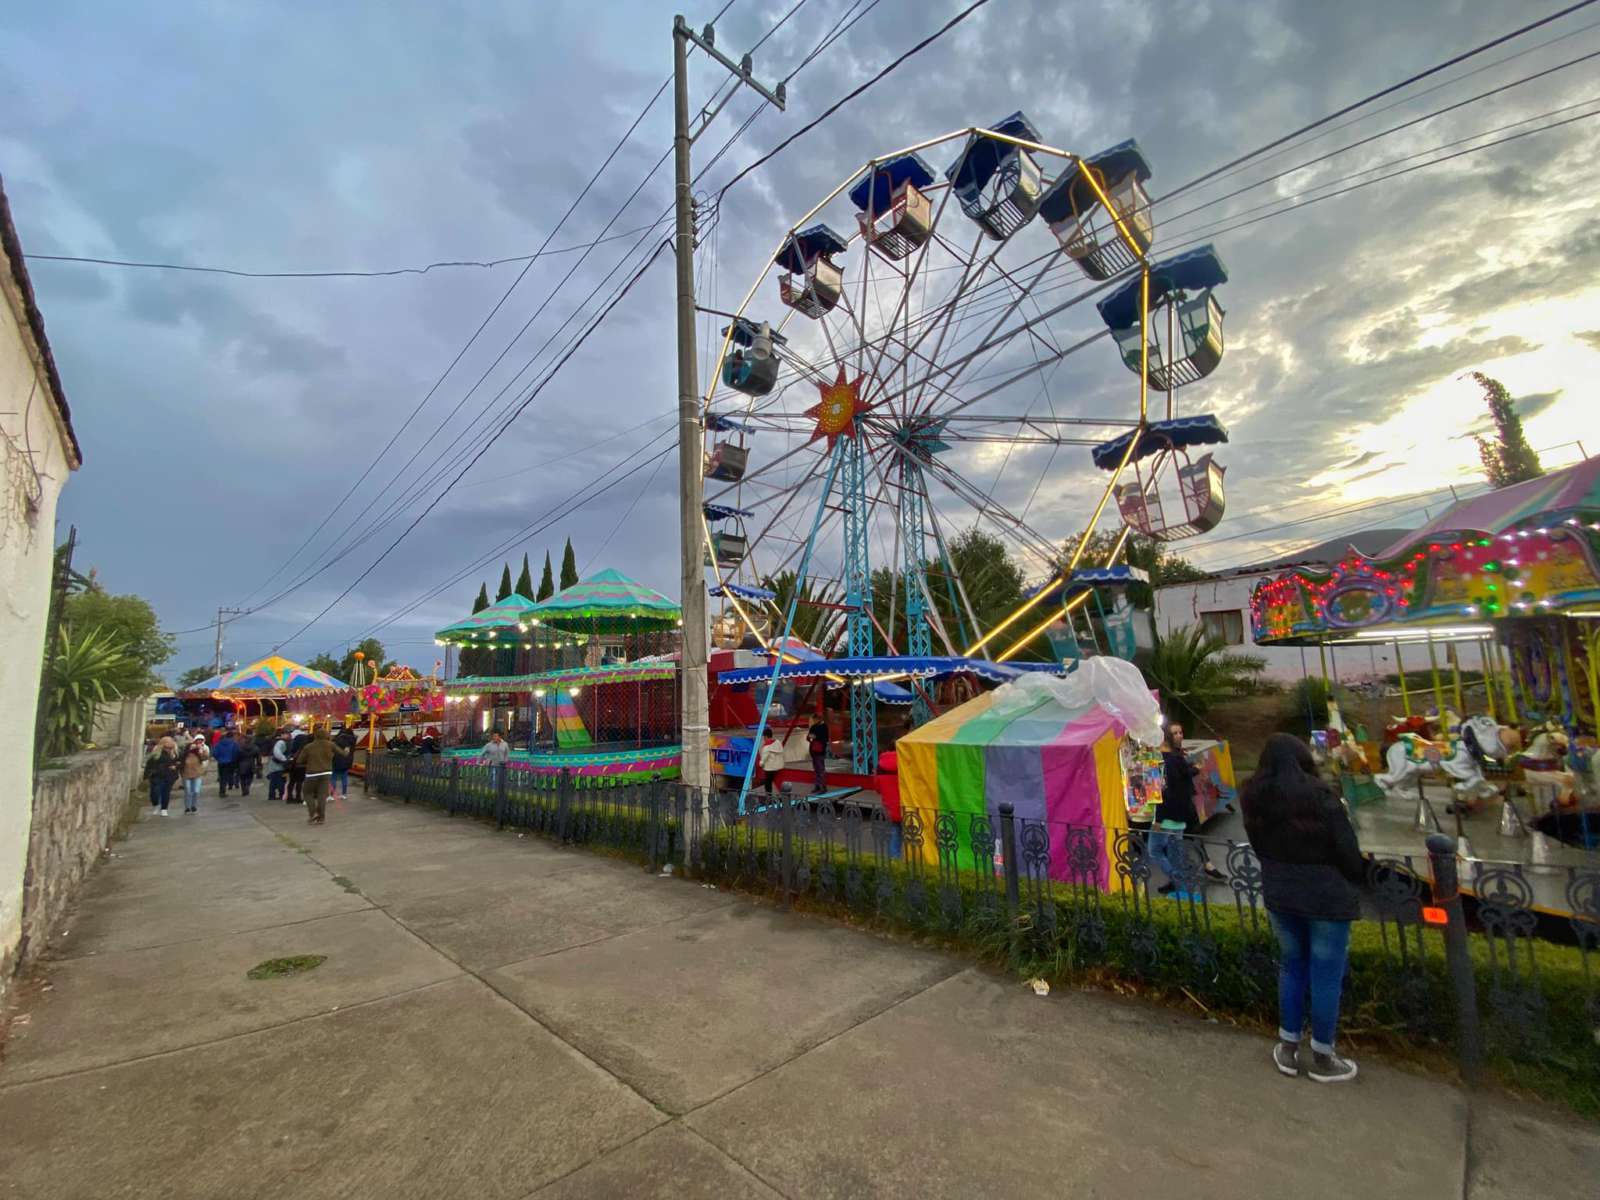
77, 807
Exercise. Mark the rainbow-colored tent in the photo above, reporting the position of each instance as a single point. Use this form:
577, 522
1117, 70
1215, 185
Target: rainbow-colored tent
275, 675
1050, 747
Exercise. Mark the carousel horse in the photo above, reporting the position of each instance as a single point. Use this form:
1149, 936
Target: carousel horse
1458, 755
1545, 763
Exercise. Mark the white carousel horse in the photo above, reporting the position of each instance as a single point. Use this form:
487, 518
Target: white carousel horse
1545, 763
1412, 757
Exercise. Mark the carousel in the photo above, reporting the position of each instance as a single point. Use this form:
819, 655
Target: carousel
274, 689
1510, 767
585, 682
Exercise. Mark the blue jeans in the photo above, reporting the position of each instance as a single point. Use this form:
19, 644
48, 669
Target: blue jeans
1311, 957
191, 793
160, 792
341, 782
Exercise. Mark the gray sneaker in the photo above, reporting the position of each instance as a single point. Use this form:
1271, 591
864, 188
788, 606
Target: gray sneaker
1330, 1068
1286, 1057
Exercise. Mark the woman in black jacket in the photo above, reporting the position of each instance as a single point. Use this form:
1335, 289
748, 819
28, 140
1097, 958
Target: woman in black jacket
1311, 867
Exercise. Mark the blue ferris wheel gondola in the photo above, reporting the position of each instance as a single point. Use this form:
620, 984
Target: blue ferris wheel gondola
1180, 433
813, 281
1087, 232
895, 214
998, 183
1185, 285
1200, 484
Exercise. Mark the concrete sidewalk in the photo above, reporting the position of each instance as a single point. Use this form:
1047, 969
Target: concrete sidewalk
497, 1017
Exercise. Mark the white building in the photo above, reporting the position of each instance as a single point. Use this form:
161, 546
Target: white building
40, 450
1221, 603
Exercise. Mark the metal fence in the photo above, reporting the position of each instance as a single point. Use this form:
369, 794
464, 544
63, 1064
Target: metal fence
1488, 974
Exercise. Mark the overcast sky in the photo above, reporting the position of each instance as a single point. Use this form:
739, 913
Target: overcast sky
222, 418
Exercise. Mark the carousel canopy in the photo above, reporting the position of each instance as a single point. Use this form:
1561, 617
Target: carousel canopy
204, 688
1566, 495
277, 675
608, 602
502, 614
635, 672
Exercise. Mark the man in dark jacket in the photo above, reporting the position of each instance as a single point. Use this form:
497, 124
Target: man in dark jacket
817, 744
226, 754
247, 765
344, 757
297, 773
1177, 816
315, 762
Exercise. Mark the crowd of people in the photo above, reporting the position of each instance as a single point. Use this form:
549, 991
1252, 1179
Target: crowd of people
300, 767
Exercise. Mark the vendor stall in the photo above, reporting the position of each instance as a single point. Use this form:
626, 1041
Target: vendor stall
1060, 751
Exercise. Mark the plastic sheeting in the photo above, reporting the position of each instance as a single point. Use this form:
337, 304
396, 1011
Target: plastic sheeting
1108, 683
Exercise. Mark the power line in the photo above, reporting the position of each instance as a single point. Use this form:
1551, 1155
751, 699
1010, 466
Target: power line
1378, 95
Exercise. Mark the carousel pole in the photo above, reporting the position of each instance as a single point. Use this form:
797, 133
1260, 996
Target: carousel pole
1488, 680
1438, 689
1504, 668
1400, 670
1455, 675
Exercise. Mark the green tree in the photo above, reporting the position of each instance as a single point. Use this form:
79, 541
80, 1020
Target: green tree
547, 582
482, 602
194, 675
569, 567
473, 660
525, 580
1507, 458
990, 577
129, 624
346, 668
505, 584
326, 663
1192, 669
815, 625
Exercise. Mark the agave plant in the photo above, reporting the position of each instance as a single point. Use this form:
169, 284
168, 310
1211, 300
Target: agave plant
1194, 669
80, 676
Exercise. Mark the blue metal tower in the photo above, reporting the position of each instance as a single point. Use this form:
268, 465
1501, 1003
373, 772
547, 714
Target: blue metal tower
858, 598
919, 640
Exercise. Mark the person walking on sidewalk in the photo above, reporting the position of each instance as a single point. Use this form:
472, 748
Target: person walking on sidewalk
1311, 868
226, 754
315, 759
278, 767
496, 754
161, 769
193, 771
298, 741
248, 763
344, 757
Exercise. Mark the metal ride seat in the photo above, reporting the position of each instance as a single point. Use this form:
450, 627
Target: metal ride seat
895, 214
999, 184
751, 366
812, 282
727, 462
1085, 228
1182, 299
1200, 486
728, 548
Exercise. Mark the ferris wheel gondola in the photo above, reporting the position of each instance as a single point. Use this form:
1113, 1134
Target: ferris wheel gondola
1200, 490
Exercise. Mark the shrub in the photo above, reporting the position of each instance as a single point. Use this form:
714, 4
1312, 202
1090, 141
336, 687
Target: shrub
1306, 704
82, 674
1194, 669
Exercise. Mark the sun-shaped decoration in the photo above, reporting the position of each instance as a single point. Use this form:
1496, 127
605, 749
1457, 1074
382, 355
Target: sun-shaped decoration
838, 409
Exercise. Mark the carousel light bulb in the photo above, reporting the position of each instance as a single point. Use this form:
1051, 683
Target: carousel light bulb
574, 691
473, 697
539, 692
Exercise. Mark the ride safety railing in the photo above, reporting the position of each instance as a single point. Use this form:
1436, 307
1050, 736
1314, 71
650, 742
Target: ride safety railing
1447, 958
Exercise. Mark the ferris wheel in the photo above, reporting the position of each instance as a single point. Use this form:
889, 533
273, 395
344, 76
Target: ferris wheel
904, 342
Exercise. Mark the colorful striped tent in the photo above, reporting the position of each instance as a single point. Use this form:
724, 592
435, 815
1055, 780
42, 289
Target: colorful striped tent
1052, 748
608, 602
503, 616
275, 675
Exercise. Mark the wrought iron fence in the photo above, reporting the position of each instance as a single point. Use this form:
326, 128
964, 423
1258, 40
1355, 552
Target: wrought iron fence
1486, 972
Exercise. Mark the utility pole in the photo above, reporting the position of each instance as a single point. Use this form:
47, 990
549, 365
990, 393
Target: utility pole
694, 708
216, 667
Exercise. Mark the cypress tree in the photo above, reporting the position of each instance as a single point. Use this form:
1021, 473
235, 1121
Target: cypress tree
525, 580
505, 583
482, 602
1508, 458
569, 567
547, 582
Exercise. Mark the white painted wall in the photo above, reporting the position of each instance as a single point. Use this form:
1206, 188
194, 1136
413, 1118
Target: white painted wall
1182, 604
35, 451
